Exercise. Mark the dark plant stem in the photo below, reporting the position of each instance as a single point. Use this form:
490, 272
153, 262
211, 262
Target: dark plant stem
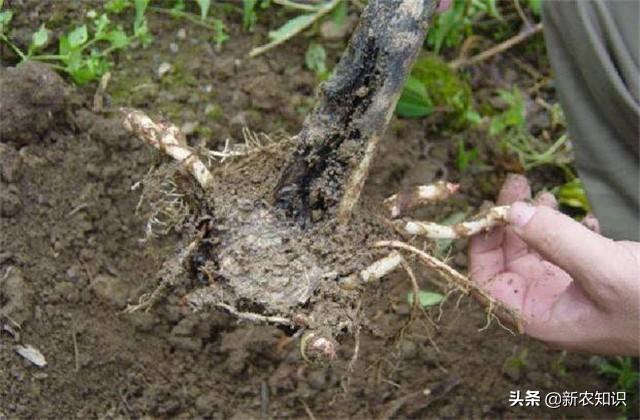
324, 176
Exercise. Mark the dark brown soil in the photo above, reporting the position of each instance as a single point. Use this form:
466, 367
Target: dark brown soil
71, 259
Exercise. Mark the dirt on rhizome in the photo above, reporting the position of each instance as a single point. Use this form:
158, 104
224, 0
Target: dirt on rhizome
74, 253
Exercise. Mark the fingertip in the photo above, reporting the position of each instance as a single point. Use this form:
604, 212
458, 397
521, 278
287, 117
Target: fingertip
591, 222
545, 198
515, 188
520, 214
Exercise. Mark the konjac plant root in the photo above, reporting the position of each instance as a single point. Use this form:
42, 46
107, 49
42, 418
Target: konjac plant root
272, 236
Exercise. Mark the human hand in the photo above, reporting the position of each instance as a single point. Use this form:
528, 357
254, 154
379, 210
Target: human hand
574, 288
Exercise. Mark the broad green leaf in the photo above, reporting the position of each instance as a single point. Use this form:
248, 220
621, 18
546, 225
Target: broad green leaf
536, 6
117, 6
118, 38
63, 45
90, 68
414, 101
426, 299
339, 14
473, 116
204, 6
140, 28
292, 26
39, 39
73, 60
315, 58
78, 36
141, 8
5, 19
178, 6
249, 16
101, 25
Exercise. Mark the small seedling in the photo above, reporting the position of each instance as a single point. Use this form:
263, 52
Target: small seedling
220, 34
465, 156
512, 117
432, 86
625, 372
316, 60
249, 16
83, 52
456, 24
414, 101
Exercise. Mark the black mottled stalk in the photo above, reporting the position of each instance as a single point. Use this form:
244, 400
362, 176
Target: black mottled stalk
324, 176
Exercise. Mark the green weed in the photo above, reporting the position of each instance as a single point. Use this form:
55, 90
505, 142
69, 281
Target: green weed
465, 156
450, 28
513, 117
249, 16
316, 60
624, 370
432, 86
510, 127
84, 52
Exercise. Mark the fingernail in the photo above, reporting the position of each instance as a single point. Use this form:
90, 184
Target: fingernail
521, 213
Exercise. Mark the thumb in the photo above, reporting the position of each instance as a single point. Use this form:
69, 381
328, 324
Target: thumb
596, 263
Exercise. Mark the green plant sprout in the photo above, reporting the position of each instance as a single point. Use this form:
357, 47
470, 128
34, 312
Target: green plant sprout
84, 52
433, 85
533, 152
315, 60
512, 117
450, 28
627, 379
249, 16
465, 156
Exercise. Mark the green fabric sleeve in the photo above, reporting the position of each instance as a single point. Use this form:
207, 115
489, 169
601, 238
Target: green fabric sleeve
594, 51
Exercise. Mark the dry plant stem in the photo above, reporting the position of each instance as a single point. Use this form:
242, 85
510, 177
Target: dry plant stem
168, 139
496, 216
522, 36
419, 196
496, 308
325, 174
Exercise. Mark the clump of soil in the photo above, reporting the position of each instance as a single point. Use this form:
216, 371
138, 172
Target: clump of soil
33, 102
